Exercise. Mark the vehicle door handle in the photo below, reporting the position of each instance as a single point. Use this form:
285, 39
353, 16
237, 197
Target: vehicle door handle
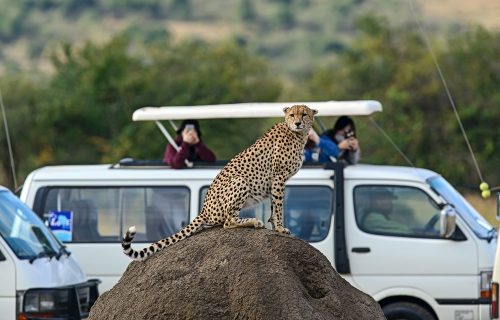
360, 249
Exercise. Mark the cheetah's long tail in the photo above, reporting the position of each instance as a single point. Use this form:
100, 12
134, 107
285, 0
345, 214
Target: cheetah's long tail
143, 254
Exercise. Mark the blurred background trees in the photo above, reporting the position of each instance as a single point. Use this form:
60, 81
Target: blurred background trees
396, 67
82, 113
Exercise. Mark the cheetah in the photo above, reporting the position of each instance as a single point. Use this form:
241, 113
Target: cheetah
258, 172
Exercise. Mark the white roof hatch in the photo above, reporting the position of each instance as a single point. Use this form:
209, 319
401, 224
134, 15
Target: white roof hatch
254, 110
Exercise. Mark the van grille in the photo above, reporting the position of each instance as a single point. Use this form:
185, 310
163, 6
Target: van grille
83, 296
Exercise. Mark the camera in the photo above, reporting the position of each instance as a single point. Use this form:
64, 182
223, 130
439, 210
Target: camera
350, 134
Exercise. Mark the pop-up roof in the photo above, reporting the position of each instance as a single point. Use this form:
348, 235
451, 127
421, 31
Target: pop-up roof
254, 110
248, 110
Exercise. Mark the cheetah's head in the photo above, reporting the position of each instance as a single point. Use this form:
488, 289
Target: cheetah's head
299, 118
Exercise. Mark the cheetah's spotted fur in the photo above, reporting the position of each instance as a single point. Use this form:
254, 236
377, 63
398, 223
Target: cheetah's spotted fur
256, 173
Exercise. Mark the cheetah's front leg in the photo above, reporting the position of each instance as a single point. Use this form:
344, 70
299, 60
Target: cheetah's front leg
277, 196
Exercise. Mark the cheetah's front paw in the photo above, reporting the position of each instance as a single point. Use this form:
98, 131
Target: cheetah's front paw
282, 230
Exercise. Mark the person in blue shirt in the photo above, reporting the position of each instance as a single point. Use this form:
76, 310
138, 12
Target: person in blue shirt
338, 143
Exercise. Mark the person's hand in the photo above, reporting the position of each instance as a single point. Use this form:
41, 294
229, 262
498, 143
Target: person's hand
345, 144
313, 136
354, 144
190, 136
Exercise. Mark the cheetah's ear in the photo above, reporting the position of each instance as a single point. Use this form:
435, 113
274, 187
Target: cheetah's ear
314, 111
285, 109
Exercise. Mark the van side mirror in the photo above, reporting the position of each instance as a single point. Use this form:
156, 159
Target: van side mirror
447, 221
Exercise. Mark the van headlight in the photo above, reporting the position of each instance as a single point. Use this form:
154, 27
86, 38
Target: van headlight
45, 302
68, 302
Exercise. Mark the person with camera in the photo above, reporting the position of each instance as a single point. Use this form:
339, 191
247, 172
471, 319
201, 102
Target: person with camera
190, 146
343, 134
337, 144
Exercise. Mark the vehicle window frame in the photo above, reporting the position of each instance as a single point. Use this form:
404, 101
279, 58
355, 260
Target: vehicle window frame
390, 234
30, 231
468, 214
331, 209
42, 194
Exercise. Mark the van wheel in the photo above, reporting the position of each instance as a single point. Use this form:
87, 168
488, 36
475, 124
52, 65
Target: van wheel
406, 311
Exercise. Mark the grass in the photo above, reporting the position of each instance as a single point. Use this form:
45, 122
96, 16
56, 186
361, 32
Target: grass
487, 207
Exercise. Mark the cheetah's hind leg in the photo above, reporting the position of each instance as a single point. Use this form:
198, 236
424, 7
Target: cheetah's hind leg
240, 223
236, 195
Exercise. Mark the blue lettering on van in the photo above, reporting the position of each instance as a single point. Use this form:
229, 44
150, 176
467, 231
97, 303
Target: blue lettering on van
61, 224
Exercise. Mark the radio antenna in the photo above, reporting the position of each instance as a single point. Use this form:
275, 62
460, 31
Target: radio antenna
9, 145
445, 85
484, 187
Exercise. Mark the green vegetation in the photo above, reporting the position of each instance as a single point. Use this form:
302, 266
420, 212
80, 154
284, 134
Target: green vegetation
397, 69
70, 101
82, 114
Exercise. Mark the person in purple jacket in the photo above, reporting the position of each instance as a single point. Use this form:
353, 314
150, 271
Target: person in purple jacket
191, 147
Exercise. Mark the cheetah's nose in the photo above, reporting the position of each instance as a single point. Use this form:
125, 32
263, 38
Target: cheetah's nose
298, 124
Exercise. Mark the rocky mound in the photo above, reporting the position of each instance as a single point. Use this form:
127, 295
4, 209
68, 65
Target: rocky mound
235, 274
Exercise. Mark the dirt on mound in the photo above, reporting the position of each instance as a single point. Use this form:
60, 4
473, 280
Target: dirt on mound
235, 274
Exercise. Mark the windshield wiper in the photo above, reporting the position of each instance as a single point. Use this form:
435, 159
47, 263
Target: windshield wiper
492, 234
42, 254
62, 251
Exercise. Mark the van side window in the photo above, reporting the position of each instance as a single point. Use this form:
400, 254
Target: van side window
396, 211
308, 211
103, 214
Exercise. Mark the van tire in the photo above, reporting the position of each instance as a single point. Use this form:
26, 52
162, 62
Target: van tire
406, 311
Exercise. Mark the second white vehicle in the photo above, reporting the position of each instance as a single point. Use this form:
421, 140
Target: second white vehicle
39, 278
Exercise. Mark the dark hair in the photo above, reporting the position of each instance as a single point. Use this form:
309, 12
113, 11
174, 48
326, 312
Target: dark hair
343, 122
190, 121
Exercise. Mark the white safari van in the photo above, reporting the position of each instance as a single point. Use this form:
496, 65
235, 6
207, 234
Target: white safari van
437, 267
39, 278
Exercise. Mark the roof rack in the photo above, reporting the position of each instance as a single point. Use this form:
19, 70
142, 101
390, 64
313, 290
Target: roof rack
158, 163
130, 163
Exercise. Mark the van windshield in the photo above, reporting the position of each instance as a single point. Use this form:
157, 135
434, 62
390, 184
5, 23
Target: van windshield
474, 220
23, 231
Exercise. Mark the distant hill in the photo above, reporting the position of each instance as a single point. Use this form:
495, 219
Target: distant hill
294, 35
